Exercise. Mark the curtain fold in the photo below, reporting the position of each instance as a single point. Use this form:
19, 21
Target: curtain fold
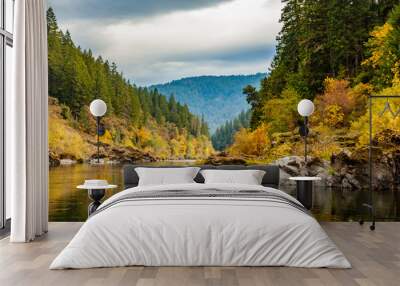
27, 158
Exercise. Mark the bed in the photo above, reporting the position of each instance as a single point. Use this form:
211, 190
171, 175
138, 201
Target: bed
201, 224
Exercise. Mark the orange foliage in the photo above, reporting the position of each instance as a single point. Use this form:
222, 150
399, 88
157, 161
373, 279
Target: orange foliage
251, 143
339, 104
333, 115
337, 92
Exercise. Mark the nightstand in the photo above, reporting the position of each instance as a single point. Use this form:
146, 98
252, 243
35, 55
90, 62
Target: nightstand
304, 193
96, 190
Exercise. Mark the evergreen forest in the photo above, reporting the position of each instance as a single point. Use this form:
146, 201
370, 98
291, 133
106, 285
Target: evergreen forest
137, 118
335, 53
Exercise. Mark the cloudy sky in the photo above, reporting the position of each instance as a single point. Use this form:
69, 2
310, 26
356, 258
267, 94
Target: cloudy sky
158, 41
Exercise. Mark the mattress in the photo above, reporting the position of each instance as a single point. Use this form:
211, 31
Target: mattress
201, 225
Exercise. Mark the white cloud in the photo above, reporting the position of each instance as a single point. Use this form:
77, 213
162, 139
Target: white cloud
107, 10
225, 39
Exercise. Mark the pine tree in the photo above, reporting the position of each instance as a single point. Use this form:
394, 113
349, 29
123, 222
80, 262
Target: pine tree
76, 77
224, 135
256, 102
318, 39
204, 127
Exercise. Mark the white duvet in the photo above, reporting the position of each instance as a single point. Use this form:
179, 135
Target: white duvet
202, 232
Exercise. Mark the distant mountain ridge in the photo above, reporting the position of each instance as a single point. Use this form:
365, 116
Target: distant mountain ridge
218, 98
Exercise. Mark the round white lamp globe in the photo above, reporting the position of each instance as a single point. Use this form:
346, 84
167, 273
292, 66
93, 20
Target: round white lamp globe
98, 107
305, 107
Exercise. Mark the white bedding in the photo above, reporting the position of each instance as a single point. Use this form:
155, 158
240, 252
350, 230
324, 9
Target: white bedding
202, 232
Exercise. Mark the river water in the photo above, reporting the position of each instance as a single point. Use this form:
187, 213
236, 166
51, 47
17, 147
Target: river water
66, 203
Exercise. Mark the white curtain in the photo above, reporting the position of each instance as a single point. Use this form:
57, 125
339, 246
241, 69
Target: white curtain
26, 117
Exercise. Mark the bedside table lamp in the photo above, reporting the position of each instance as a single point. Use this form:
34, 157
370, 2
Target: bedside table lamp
305, 109
98, 108
304, 190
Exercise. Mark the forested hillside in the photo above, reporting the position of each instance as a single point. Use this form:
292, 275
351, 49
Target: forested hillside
137, 118
334, 53
319, 39
223, 136
218, 98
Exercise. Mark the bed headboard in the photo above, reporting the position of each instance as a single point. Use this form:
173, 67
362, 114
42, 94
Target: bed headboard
271, 177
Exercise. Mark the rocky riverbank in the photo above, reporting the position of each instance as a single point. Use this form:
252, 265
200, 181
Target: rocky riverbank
110, 154
345, 170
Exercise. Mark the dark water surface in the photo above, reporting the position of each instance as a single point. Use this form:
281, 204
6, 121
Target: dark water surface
66, 203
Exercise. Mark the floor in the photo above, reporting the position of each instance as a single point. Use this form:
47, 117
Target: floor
375, 257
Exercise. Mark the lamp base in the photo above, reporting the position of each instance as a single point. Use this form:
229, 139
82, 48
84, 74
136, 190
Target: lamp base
305, 193
96, 195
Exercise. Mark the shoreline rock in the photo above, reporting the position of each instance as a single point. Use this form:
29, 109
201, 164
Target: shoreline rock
293, 166
67, 162
224, 158
352, 169
54, 160
122, 155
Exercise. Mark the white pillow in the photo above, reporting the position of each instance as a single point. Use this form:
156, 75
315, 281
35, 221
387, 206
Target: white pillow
166, 176
248, 177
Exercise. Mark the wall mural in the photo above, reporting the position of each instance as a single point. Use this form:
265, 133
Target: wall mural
219, 83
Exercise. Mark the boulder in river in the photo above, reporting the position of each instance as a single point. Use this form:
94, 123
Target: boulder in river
293, 166
224, 158
122, 154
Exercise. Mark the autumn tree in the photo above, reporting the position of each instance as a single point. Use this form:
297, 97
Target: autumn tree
136, 117
318, 39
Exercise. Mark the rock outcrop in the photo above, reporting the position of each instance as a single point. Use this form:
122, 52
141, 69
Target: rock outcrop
224, 158
293, 166
351, 170
345, 170
123, 154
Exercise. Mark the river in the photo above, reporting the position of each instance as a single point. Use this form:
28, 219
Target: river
66, 203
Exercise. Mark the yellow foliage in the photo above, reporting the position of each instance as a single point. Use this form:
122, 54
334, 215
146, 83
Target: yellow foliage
126, 142
362, 89
360, 93
337, 92
162, 141
281, 150
325, 150
175, 147
182, 145
144, 137
396, 73
106, 138
339, 104
383, 59
376, 44
191, 148
324, 142
199, 147
66, 141
380, 123
160, 147
333, 115
255, 143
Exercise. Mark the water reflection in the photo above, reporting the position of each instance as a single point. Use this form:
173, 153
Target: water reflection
66, 203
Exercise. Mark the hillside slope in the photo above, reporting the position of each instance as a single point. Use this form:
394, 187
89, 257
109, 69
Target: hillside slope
218, 98
122, 142
138, 121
